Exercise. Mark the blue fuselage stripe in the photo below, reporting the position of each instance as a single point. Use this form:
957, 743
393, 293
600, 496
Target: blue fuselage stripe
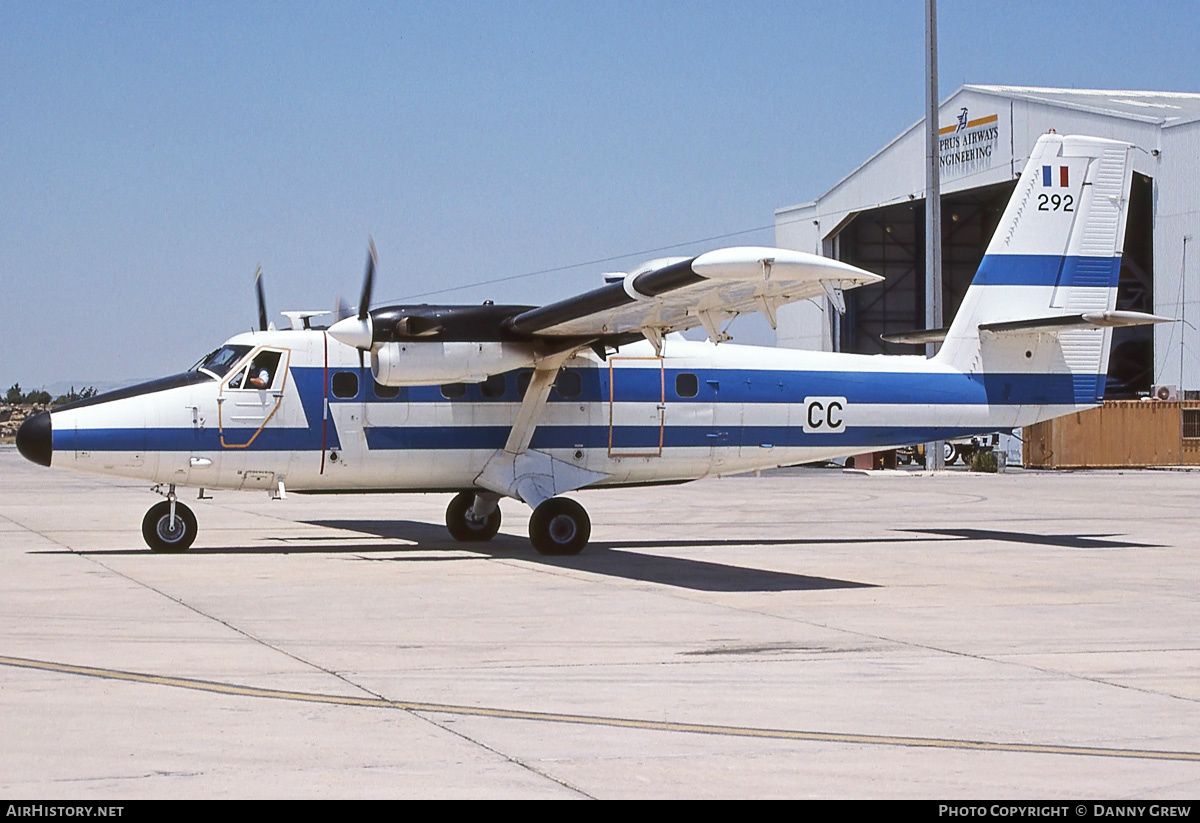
455, 438
717, 387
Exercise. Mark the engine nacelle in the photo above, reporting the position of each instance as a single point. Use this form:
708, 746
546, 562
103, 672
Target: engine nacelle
432, 362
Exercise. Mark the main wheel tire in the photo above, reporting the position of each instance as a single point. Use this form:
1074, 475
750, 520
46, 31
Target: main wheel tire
465, 529
157, 530
949, 453
559, 526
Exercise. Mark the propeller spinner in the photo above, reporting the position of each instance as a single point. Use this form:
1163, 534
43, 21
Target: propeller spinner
359, 331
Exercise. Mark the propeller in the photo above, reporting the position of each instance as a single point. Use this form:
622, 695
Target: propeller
262, 300
364, 302
358, 331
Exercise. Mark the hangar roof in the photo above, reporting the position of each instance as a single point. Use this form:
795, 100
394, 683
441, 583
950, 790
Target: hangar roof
1165, 108
1162, 109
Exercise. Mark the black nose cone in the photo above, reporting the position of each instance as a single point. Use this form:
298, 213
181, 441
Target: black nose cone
35, 441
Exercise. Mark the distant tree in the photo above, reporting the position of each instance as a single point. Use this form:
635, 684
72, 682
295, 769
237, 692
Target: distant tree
40, 398
14, 394
72, 395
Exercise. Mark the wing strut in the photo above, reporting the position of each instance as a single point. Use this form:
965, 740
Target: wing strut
524, 473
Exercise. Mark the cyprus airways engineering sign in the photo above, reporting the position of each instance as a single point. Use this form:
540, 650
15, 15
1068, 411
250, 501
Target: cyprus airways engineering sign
968, 144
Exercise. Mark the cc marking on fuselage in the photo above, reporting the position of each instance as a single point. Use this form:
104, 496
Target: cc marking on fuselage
824, 414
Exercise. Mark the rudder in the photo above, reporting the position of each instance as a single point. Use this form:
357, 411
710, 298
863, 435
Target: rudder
1042, 301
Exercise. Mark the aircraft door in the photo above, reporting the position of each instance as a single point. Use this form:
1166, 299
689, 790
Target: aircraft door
637, 406
250, 397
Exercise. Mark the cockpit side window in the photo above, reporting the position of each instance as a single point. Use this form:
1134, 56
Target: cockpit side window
263, 370
261, 373
222, 360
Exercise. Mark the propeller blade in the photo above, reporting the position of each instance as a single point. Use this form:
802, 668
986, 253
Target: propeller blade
262, 300
358, 331
341, 310
364, 302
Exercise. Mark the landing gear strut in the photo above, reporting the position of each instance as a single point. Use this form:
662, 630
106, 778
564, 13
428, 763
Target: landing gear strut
559, 526
169, 526
473, 518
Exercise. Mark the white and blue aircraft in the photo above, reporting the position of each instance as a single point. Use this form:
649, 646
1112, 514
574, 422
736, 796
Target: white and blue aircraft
488, 402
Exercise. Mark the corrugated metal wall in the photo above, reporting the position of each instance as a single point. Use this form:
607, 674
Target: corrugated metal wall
1121, 433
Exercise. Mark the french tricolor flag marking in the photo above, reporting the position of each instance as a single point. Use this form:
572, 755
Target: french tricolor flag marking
1048, 176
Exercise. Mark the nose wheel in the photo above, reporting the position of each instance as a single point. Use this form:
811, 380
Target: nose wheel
559, 526
167, 532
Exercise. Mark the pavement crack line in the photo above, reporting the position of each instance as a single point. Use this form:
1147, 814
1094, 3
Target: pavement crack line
303, 661
1002, 661
420, 709
563, 572
414, 707
514, 760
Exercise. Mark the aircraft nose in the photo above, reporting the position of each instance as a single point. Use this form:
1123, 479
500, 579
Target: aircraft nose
35, 439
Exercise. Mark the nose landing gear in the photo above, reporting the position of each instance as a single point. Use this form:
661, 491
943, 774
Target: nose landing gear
169, 526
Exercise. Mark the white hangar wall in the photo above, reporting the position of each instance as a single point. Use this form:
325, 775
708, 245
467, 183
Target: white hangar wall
999, 126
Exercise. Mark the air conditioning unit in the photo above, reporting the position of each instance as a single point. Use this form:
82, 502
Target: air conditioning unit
1169, 393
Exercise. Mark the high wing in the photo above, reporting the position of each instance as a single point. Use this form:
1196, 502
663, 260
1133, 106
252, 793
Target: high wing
673, 294
653, 300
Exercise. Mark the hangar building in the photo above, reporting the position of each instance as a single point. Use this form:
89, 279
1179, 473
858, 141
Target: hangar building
875, 218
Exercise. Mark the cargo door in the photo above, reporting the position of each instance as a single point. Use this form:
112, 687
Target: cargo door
637, 406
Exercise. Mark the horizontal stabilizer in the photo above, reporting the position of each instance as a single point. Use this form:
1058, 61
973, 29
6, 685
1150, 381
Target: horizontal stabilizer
1087, 320
917, 337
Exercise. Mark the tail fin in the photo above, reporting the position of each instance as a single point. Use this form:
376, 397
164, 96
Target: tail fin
1042, 302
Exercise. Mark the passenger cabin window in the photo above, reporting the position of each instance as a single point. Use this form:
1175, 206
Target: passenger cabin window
494, 386
453, 391
386, 392
523, 382
568, 384
686, 385
345, 385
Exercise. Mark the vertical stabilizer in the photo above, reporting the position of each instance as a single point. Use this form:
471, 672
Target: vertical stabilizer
1056, 255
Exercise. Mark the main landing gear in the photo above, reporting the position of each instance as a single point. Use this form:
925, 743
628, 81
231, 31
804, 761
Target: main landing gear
169, 526
473, 518
559, 526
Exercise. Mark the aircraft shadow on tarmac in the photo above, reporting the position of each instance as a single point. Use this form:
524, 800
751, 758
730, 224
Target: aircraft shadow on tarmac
614, 558
1065, 541
607, 558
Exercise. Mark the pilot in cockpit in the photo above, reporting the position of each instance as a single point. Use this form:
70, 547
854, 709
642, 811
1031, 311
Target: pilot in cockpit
260, 375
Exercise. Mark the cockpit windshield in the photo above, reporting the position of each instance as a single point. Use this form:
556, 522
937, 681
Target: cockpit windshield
222, 360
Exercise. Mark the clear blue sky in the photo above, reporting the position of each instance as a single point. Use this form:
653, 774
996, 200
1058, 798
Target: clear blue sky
151, 154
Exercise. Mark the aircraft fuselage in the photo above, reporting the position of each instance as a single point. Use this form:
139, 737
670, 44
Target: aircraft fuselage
325, 425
